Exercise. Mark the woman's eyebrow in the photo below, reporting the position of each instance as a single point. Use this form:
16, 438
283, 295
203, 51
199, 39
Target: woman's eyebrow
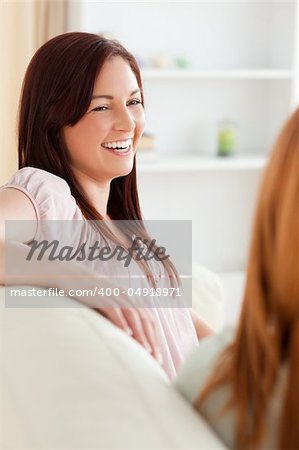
110, 96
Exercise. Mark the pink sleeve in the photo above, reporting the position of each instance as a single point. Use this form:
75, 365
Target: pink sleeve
50, 195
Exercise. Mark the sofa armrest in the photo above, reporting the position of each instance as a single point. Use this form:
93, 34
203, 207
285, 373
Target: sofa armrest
208, 296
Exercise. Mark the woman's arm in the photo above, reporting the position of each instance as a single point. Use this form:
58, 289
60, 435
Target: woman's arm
15, 205
138, 322
202, 329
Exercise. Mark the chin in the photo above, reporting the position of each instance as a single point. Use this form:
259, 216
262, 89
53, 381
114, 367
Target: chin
124, 170
127, 172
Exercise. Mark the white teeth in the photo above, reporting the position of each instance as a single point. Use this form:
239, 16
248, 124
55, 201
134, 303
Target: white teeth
122, 144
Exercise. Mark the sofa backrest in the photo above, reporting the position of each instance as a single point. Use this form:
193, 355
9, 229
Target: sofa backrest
72, 380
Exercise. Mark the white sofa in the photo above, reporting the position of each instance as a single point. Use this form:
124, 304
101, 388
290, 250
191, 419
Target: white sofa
72, 380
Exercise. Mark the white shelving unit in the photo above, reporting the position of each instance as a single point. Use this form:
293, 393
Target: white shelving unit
246, 73
257, 100
242, 74
243, 58
247, 161
190, 163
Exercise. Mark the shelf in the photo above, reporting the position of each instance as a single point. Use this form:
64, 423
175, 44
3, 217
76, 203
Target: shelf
190, 163
242, 74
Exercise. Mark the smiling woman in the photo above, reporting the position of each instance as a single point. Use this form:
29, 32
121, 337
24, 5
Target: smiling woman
81, 118
110, 129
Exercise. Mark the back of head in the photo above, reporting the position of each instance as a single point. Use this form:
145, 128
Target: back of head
270, 319
267, 337
274, 258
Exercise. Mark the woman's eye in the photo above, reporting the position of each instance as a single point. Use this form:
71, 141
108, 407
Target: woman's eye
101, 108
135, 101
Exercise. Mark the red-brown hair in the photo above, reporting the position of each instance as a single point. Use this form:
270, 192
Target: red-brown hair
57, 91
267, 336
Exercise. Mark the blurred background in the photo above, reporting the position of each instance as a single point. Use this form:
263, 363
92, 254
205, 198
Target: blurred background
219, 78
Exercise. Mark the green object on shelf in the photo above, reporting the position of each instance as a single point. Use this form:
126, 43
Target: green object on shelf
226, 138
182, 62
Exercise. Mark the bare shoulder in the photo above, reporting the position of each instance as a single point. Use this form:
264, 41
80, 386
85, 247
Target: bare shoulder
16, 205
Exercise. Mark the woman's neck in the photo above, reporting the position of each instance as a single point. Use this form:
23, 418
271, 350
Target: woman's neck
96, 191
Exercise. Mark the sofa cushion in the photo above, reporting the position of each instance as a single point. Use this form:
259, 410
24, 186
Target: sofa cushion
71, 380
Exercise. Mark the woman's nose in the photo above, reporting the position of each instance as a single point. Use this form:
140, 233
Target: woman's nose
124, 120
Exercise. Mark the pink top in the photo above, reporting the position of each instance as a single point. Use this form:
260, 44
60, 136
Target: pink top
52, 200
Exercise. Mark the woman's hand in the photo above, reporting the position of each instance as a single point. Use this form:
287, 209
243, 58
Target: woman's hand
201, 328
138, 323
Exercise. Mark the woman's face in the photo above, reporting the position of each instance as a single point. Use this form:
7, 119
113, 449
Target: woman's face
103, 143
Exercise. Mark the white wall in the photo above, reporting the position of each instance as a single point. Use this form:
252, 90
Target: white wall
220, 205
223, 34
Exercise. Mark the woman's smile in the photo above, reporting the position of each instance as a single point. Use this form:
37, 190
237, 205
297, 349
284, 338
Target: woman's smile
119, 151
120, 147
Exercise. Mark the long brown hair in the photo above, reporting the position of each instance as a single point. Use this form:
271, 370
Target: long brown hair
267, 336
57, 91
